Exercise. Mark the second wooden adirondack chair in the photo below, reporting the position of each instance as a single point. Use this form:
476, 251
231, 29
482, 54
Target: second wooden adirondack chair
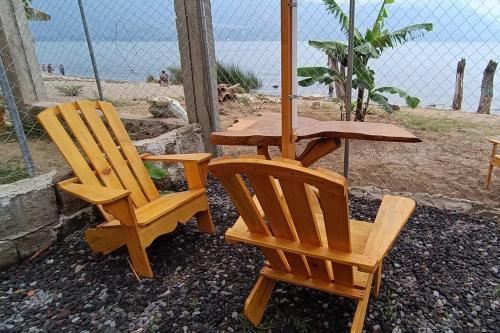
300, 220
494, 161
111, 174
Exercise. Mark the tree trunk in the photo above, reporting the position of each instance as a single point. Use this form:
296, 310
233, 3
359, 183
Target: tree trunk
360, 116
459, 86
487, 88
339, 88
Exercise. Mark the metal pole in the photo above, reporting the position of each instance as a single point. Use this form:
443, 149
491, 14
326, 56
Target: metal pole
348, 93
16, 121
91, 50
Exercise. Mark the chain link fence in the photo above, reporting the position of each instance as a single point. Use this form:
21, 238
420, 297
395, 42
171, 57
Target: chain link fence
419, 46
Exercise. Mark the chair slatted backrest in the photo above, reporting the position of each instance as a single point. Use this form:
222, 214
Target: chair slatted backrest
285, 194
90, 142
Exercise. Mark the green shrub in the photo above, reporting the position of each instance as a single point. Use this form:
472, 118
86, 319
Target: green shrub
175, 75
151, 79
70, 90
232, 74
226, 74
12, 172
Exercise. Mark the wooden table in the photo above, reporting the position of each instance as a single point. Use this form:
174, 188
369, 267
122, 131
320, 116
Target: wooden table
265, 130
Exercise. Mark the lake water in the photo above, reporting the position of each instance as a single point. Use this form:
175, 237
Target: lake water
424, 69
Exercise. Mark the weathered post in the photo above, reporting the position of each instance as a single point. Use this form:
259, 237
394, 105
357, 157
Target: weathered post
199, 72
18, 54
459, 86
487, 88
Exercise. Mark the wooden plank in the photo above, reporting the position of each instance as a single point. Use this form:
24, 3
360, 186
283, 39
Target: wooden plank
336, 219
67, 147
266, 131
256, 302
97, 195
391, 217
129, 150
199, 157
317, 149
359, 316
326, 286
114, 155
89, 145
299, 203
242, 200
278, 215
365, 263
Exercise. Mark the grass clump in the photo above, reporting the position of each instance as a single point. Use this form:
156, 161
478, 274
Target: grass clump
70, 90
151, 79
232, 74
436, 124
12, 172
226, 74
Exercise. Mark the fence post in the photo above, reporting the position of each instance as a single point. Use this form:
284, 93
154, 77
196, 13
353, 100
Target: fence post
16, 121
199, 75
17, 51
91, 50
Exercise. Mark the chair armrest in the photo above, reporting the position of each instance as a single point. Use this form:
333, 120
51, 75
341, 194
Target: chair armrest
195, 166
182, 158
495, 142
392, 215
98, 195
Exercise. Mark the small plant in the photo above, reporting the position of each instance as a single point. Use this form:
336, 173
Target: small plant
151, 79
263, 327
243, 100
155, 172
70, 90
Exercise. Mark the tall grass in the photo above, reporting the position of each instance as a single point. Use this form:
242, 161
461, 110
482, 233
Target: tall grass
226, 74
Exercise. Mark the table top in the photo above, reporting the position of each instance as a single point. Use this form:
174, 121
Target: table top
265, 130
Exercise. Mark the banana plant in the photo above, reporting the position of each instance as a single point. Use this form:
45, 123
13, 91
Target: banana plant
33, 14
366, 47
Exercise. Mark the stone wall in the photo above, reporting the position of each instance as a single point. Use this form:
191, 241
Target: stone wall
34, 213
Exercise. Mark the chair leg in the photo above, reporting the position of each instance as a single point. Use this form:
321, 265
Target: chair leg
205, 223
257, 300
137, 252
378, 279
488, 178
359, 316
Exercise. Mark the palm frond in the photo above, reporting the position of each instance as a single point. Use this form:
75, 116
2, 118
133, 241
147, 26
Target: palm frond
334, 8
33, 14
334, 49
401, 36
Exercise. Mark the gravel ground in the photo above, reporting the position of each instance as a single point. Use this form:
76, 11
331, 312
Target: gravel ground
441, 276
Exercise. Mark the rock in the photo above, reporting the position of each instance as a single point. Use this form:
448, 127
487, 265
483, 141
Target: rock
167, 108
8, 253
39, 240
376, 329
316, 105
234, 314
140, 128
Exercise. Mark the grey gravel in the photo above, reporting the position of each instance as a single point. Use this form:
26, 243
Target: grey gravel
440, 276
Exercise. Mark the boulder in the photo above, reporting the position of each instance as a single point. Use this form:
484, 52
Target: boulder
167, 108
8, 253
140, 128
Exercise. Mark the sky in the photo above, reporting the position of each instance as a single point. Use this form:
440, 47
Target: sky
154, 20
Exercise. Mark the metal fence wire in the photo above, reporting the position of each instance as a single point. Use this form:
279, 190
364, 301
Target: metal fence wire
406, 54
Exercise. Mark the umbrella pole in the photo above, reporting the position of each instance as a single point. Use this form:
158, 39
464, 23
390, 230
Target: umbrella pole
288, 77
348, 93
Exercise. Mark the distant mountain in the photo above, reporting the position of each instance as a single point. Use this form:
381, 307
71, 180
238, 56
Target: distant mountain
153, 20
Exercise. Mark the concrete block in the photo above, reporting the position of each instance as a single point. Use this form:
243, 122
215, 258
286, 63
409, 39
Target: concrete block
27, 205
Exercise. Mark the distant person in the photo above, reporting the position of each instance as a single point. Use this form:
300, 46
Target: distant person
164, 79
50, 69
61, 69
44, 68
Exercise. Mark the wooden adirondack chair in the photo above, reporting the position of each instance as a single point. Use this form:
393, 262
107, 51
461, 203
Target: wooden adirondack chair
110, 173
300, 220
494, 161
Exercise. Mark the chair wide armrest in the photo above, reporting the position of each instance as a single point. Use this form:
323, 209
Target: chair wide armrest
392, 215
175, 158
495, 142
98, 195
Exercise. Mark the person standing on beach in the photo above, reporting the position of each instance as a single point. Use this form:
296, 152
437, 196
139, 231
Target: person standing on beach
50, 68
61, 69
164, 79
44, 69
